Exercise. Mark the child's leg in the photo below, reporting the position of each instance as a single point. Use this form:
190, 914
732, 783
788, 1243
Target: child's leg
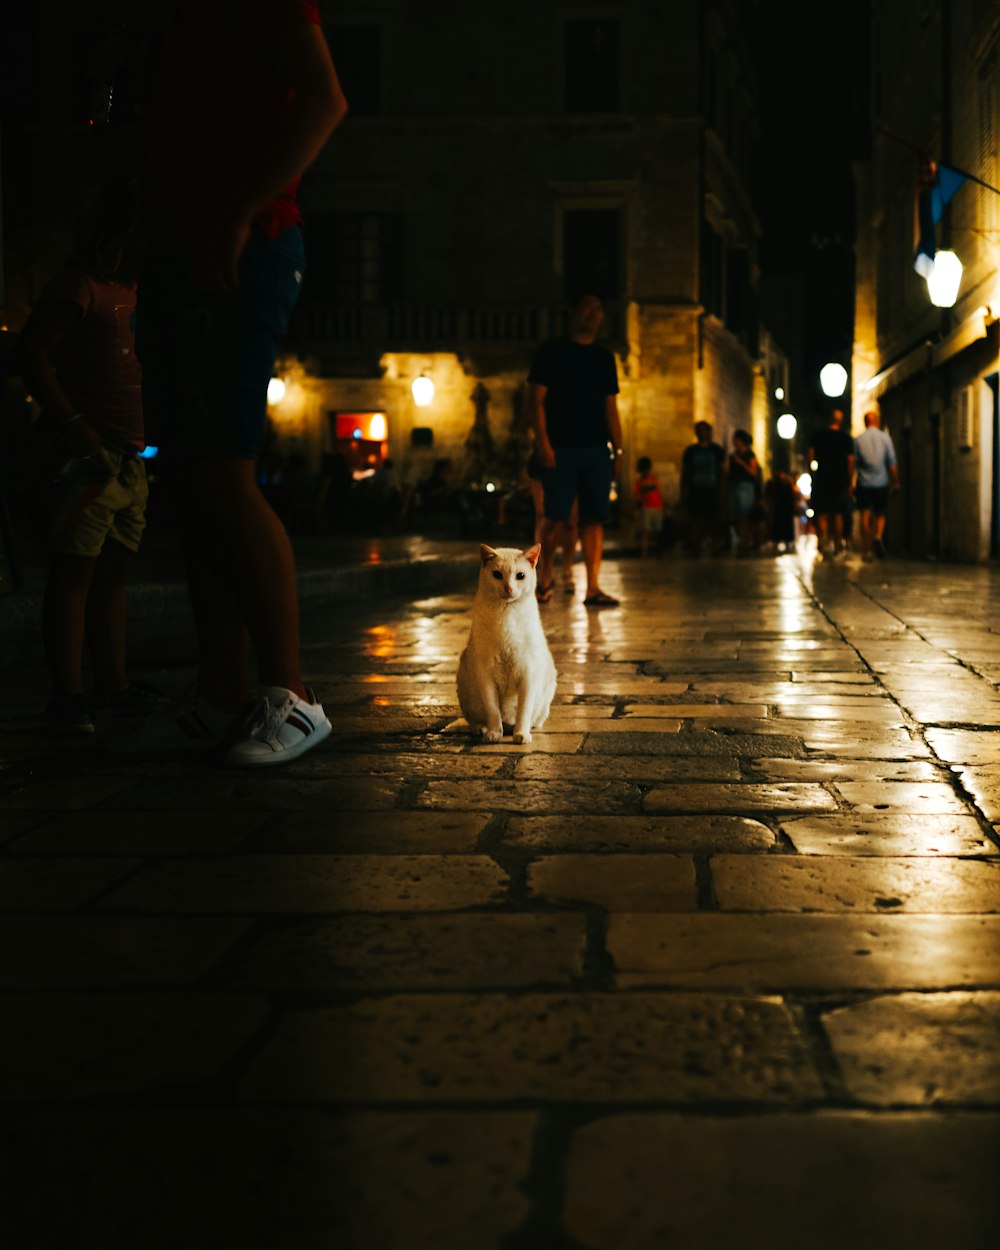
106, 617
64, 610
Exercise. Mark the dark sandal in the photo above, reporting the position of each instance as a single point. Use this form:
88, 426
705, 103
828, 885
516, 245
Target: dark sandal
600, 600
544, 593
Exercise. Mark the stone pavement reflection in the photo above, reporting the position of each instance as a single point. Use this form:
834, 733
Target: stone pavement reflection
714, 962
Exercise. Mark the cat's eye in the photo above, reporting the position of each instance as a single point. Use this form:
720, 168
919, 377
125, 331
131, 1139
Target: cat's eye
520, 577
498, 575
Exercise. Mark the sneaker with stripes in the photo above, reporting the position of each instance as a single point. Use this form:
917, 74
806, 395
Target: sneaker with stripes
279, 728
189, 724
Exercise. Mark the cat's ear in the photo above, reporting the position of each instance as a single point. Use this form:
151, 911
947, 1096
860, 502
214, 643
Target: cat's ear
486, 553
532, 554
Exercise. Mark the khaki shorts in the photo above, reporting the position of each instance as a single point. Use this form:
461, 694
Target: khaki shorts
118, 512
651, 520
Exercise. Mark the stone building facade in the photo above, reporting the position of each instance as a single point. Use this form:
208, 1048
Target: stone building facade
492, 163
932, 372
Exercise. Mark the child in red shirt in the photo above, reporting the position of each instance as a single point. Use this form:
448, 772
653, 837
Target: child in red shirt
648, 496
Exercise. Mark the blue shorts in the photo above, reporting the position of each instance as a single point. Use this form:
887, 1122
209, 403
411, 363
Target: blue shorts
207, 356
742, 497
582, 473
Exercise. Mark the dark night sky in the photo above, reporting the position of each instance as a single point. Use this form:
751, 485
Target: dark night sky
813, 110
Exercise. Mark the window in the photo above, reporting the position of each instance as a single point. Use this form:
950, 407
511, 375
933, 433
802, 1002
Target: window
591, 252
357, 54
713, 271
354, 258
592, 65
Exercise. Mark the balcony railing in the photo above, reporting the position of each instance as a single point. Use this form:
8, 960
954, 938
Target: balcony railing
349, 330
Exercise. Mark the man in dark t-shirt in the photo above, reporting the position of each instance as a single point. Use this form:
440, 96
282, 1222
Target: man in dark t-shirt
573, 395
832, 451
702, 466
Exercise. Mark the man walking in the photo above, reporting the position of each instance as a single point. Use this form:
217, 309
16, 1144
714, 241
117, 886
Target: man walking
573, 389
702, 478
877, 474
832, 452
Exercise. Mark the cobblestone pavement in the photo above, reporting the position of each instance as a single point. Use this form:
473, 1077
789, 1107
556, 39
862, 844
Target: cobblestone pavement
713, 963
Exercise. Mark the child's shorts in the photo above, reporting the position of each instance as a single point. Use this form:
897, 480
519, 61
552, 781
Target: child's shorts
651, 520
118, 512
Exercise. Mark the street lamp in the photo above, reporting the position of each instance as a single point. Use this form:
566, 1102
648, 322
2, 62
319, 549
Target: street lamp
276, 390
787, 425
944, 279
833, 379
423, 391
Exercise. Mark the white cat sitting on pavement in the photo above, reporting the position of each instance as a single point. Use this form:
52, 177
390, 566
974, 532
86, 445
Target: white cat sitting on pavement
506, 675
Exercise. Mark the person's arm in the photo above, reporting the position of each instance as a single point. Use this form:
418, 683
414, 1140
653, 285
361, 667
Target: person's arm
52, 321
301, 59
891, 465
614, 428
536, 401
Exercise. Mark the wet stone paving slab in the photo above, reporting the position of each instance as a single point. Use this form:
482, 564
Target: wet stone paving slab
712, 963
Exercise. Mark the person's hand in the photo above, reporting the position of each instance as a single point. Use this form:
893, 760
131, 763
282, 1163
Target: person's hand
216, 265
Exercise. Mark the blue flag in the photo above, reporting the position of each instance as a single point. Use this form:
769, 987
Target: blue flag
936, 187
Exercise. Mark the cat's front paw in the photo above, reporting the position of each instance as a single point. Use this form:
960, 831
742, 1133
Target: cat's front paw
493, 735
522, 737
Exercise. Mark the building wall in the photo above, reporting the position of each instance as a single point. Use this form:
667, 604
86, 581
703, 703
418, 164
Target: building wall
480, 163
925, 368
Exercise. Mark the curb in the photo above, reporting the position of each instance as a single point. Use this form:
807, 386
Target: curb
21, 612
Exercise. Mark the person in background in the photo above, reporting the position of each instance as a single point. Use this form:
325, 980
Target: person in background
877, 475
832, 451
702, 477
574, 405
77, 353
648, 497
744, 478
783, 507
245, 98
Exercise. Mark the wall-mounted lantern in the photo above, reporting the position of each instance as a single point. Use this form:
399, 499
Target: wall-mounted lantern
944, 279
423, 391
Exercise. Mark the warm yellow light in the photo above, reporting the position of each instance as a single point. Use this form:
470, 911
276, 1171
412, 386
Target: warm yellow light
787, 425
833, 379
276, 390
423, 391
377, 427
779, 392
805, 485
944, 279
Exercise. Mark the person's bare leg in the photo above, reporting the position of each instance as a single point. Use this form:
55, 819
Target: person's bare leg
106, 612
865, 531
592, 542
64, 614
550, 536
262, 563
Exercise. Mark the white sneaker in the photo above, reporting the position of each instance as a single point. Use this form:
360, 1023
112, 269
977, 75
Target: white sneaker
191, 723
279, 728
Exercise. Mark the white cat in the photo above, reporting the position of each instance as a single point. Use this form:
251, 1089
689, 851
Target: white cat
506, 675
